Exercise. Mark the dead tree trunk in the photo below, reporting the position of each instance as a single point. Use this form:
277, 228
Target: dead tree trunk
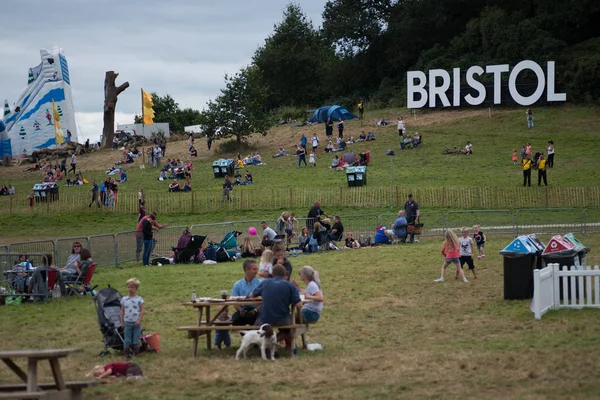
111, 91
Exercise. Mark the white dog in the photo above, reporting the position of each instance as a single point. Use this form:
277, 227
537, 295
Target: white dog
263, 337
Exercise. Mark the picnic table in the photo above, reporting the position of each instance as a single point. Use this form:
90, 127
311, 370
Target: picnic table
32, 389
208, 325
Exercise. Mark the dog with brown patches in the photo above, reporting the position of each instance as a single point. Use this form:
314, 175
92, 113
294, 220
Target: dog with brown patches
264, 337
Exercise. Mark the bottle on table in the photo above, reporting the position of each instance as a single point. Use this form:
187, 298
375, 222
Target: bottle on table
193, 296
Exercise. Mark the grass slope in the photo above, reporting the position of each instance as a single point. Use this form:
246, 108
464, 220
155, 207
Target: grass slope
388, 332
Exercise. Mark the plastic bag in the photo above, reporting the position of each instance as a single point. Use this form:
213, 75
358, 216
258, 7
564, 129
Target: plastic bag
14, 300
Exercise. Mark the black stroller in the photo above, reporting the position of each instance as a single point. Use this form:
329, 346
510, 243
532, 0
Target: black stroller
189, 253
108, 307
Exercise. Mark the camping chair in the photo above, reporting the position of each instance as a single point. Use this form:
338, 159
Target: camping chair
184, 255
82, 282
414, 230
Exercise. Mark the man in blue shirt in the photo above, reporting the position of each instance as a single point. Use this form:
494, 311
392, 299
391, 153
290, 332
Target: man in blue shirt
246, 315
398, 228
277, 297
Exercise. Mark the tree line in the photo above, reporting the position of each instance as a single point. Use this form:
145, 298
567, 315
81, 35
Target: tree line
364, 49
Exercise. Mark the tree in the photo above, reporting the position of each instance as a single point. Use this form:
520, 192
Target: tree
353, 25
239, 110
111, 92
294, 61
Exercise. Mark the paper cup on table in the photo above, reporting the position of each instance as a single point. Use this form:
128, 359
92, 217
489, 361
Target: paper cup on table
302, 297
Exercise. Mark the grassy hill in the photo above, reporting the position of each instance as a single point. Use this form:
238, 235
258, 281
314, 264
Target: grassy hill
574, 131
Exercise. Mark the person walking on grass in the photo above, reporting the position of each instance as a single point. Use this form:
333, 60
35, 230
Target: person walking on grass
480, 239
530, 123
301, 153
451, 252
132, 313
466, 252
95, 196
526, 163
73, 164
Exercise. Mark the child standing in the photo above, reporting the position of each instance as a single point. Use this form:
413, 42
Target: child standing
132, 313
515, 158
311, 159
451, 252
466, 252
523, 151
223, 337
265, 267
479, 241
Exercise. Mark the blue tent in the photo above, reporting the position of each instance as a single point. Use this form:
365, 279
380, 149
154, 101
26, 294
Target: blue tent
334, 112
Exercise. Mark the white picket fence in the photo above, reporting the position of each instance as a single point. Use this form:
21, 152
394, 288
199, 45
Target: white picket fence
580, 288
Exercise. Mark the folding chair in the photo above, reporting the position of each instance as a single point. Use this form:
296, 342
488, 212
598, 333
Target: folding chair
72, 287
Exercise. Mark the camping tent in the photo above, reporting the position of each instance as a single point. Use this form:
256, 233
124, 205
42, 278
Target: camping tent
334, 112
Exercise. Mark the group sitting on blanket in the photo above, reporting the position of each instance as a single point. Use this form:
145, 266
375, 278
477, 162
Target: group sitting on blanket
7, 190
467, 150
407, 142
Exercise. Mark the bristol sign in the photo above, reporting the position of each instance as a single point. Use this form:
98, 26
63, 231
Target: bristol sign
420, 94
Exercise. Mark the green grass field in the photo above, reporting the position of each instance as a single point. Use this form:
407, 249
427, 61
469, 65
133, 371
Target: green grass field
388, 331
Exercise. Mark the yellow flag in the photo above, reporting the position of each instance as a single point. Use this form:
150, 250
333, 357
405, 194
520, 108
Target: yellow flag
147, 110
58, 133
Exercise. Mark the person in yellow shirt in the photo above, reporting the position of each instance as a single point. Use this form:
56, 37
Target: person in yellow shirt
526, 163
541, 164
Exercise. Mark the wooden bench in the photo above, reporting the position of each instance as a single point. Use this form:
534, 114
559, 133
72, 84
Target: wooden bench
18, 390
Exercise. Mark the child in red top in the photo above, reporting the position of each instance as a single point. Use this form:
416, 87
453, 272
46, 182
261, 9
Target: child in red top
515, 159
451, 252
114, 370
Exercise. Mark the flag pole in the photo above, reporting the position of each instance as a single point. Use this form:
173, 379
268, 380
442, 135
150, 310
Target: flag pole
143, 134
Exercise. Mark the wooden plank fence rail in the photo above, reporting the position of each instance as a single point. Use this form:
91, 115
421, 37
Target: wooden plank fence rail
295, 198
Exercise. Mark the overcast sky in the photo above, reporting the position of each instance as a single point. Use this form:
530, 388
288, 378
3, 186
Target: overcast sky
178, 47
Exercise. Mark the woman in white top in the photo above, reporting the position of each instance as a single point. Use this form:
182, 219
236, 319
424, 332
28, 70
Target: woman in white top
550, 150
311, 312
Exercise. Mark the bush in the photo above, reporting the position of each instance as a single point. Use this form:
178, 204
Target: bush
231, 146
286, 112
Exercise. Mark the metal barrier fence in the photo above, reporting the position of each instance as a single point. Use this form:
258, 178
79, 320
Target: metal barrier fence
128, 247
591, 220
490, 221
103, 249
434, 223
213, 232
549, 220
165, 239
39, 247
122, 247
64, 248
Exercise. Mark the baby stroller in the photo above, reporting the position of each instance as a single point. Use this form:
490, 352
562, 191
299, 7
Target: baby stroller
190, 252
108, 308
227, 249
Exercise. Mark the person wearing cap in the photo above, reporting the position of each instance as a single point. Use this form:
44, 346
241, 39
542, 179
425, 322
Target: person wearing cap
412, 212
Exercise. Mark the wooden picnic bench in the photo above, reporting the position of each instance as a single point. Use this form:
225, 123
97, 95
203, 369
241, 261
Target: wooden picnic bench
31, 389
209, 325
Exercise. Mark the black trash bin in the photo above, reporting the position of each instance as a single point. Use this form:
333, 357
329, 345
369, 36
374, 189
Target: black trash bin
356, 176
564, 253
45, 192
521, 257
223, 167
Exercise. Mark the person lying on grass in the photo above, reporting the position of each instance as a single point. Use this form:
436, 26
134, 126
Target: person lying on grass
114, 370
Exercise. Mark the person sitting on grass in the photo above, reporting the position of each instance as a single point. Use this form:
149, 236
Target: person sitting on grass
247, 249
370, 136
280, 152
248, 178
174, 186
350, 140
362, 137
193, 152
187, 187
398, 228
416, 140
350, 242
335, 162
